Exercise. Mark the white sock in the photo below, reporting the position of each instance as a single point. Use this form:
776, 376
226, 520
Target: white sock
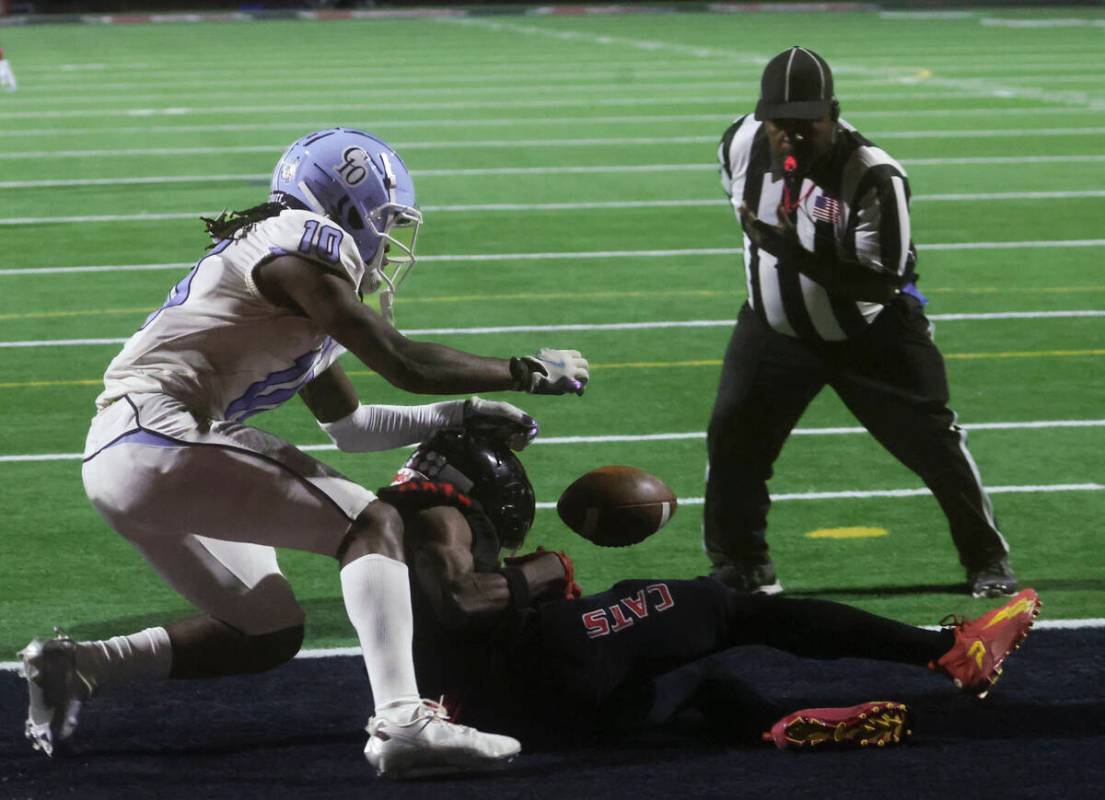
377, 594
146, 655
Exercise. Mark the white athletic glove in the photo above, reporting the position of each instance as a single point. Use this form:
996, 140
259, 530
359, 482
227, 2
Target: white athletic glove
500, 421
550, 372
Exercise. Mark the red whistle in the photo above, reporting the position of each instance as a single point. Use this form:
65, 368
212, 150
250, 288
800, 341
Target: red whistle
790, 163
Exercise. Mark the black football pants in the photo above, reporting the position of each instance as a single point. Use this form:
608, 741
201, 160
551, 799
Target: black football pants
891, 378
634, 652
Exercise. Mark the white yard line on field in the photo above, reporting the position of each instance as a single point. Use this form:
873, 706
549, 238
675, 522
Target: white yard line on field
643, 438
601, 205
355, 652
985, 87
1043, 22
490, 122
595, 327
724, 101
275, 150
479, 258
591, 169
97, 97
630, 438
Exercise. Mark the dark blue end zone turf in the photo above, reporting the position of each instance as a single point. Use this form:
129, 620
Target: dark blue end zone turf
297, 733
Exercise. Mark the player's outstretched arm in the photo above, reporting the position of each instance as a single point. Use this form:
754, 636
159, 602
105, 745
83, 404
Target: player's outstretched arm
440, 544
357, 428
420, 367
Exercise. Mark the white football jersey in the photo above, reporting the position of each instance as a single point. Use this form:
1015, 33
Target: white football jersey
217, 345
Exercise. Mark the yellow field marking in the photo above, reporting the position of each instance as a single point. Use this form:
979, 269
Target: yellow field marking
705, 362
416, 300
1025, 354
711, 362
93, 312
1016, 290
36, 384
411, 300
847, 533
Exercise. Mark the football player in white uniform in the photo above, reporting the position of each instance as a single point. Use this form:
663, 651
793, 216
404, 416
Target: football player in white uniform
204, 498
7, 78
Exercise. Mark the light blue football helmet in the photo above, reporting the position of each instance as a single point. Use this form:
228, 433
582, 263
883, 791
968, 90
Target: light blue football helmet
360, 183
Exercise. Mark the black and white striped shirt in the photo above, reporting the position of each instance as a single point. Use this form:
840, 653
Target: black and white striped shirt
859, 218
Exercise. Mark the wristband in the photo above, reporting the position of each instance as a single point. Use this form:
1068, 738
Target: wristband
519, 372
518, 586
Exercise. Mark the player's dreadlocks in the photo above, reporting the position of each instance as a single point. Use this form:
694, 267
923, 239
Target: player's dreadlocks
228, 223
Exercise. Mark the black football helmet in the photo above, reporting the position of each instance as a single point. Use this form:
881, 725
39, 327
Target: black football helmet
485, 470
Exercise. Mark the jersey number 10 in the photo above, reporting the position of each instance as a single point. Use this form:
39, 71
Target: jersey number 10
321, 240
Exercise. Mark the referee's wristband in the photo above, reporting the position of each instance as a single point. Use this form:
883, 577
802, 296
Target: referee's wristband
518, 586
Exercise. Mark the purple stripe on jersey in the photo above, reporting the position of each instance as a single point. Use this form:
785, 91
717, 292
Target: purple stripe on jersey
270, 400
264, 394
146, 437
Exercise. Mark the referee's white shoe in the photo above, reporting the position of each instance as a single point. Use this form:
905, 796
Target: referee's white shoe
417, 739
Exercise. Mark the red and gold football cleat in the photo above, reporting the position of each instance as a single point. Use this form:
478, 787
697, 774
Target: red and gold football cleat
982, 645
875, 724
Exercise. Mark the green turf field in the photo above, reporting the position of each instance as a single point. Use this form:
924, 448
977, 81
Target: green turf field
121, 135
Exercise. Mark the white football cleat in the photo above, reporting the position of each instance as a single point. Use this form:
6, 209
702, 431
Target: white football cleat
55, 690
426, 743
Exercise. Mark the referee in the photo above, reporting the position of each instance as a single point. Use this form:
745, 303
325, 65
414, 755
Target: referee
832, 300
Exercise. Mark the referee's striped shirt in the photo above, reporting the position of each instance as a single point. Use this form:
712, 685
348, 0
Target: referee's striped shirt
861, 215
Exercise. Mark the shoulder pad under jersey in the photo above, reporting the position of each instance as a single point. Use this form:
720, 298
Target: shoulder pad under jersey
315, 238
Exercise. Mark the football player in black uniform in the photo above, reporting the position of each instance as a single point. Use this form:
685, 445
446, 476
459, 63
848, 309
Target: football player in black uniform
516, 635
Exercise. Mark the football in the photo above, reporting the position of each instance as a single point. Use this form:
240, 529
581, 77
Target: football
616, 506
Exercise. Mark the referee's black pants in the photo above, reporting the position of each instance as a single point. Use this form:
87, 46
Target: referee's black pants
891, 378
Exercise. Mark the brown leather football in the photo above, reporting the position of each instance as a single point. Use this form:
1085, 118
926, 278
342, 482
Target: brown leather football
616, 506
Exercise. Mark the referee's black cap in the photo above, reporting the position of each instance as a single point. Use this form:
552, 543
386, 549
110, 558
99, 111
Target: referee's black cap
796, 84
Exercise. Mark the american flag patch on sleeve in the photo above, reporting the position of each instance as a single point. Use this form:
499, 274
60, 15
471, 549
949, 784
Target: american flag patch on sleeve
826, 209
